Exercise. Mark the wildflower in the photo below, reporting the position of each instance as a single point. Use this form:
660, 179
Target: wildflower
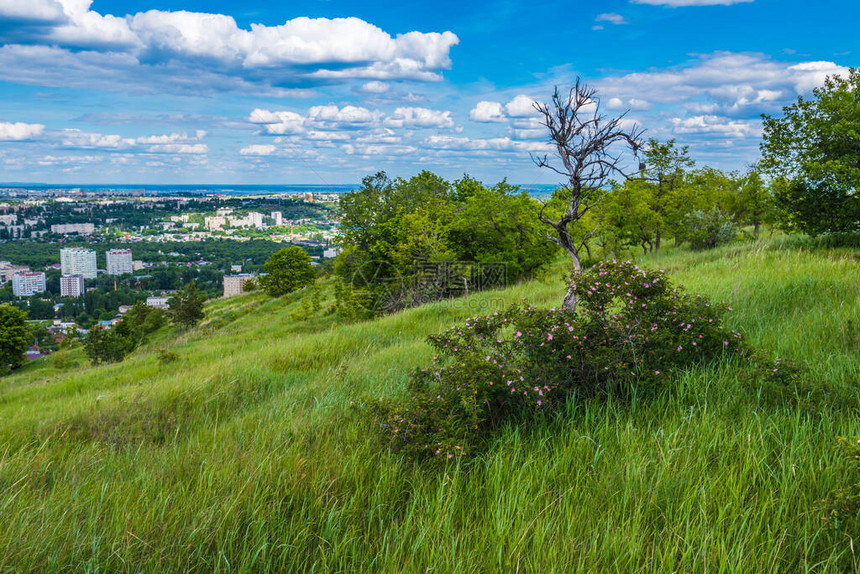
549, 337
519, 334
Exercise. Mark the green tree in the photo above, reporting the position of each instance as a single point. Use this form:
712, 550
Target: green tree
815, 148
625, 217
754, 202
186, 307
14, 337
287, 270
665, 168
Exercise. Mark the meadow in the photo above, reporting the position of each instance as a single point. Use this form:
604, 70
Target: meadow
244, 445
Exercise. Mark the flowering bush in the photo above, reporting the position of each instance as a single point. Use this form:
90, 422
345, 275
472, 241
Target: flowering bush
631, 332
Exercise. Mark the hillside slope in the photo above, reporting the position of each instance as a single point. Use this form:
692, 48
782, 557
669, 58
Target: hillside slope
250, 451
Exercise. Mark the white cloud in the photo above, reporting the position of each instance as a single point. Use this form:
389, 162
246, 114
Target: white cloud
419, 118
732, 81
175, 143
278, 123
48, 11
714, 125
258, 150
19, 131
521, 106
375, 87
485, 111
331, 114
301, 51
463, 143
611, 17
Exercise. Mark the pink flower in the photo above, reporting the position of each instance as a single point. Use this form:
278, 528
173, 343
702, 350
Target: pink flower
549, 337
519, 334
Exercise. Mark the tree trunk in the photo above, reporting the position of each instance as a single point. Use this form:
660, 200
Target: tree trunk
657, 237
755, 227
569, 301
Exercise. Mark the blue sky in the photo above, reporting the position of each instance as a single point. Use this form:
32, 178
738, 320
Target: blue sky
187, 91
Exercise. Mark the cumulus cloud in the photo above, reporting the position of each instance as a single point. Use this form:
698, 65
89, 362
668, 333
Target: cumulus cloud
278, 123
175, 143
500, 144
419, 118
346, 116
733, 83
375, 87
147, 45
521, 106
258, 150
714, 125
19, 131
485, 111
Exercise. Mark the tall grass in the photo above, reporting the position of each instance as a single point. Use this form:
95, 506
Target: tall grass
251, 452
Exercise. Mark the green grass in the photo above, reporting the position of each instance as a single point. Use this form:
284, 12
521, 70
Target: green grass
251, 452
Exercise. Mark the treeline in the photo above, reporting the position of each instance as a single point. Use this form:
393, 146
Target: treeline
408, 241
221, 252
669, 199
132, 214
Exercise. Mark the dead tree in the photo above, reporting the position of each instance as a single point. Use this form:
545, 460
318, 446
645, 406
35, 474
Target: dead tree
589, 151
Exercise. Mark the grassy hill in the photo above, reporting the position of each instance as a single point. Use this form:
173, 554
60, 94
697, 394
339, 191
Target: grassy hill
250, 451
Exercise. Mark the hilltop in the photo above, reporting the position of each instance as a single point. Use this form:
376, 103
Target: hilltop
244, 445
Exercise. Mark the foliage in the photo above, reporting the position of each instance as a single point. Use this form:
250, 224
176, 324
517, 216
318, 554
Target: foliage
286, 271
709, 229
665, 167
14, 337
409, 241
114, 344
814, 147
755, 202
186, 307
818, 207
633, 333
108, 345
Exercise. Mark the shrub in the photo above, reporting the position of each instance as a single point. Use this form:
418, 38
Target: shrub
633, 330
166, 356
709, 229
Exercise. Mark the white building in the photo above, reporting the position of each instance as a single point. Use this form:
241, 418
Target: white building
215, 223
26, 283
235, 284
7, 270
9, 219
119, 261
137, 265
67, 228
256, 219
71, 285
331, 252
158, 302
278, 217
78, 261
